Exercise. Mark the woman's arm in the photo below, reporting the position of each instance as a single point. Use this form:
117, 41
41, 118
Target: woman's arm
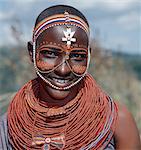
126, 133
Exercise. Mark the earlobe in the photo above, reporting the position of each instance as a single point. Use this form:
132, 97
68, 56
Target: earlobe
30, 50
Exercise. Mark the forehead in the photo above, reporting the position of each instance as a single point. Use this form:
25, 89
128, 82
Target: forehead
54, 35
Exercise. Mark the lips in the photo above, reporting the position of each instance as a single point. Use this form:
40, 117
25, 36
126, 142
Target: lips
60, 82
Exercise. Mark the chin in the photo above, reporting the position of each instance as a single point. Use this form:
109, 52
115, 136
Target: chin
57, 94
60, 94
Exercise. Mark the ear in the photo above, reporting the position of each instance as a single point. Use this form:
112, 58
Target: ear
30, 50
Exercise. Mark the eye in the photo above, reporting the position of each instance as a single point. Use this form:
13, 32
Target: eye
78, 56
49, 53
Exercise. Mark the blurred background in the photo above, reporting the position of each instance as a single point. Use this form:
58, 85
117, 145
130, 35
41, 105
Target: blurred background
115, 43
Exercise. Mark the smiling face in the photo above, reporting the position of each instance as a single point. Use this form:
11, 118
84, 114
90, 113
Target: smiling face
61, 58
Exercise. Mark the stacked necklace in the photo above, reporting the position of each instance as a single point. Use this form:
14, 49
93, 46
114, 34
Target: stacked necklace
83, 123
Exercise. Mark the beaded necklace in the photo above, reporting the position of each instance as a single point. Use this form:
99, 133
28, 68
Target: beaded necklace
83, 123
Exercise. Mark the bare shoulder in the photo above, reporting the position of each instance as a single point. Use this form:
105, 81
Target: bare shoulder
126, 133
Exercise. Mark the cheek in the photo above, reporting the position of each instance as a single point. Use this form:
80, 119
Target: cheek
78, 67
44, 64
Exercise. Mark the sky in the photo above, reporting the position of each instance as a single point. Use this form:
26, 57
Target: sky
116, 24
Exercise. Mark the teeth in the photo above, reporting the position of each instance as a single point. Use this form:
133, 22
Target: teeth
60, 80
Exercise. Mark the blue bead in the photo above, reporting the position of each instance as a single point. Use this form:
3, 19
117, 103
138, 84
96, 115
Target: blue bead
46, 147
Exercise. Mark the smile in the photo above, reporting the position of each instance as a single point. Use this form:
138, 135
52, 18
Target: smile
61, 81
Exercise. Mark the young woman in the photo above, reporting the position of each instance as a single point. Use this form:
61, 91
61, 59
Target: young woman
64, 108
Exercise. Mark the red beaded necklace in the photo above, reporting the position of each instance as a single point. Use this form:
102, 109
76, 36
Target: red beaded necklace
85, 122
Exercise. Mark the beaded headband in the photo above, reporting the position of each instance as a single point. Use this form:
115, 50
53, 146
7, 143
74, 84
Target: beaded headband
57, 20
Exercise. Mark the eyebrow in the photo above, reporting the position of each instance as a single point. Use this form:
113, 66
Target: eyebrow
78, 50
54, 48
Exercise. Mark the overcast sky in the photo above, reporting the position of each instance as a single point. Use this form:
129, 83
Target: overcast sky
116, 23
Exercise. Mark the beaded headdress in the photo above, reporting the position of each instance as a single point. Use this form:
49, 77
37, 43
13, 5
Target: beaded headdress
69, 21
57, 20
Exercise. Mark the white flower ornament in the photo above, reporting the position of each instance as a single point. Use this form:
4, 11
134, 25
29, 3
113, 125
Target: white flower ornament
69, 37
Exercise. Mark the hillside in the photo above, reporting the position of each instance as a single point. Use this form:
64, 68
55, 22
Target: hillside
118, 74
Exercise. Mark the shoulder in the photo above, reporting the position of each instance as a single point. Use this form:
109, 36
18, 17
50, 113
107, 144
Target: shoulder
126, 133
3, 123
4, 142
3, 131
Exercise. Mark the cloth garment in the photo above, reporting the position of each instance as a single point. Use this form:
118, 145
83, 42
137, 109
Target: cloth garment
5, 145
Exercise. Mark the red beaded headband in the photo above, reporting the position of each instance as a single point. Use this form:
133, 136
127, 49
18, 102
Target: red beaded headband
59, 19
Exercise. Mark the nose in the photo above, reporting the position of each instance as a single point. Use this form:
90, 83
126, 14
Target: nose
63, 69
